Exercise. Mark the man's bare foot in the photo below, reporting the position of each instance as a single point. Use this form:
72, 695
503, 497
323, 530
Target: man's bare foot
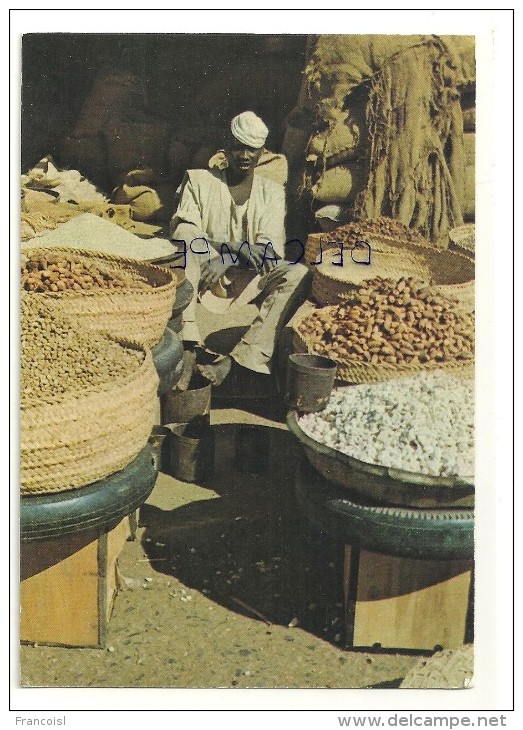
217, 371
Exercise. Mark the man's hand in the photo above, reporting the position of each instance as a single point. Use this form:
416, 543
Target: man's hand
234, 246
262, 259
211, 271
269, 265
237, 252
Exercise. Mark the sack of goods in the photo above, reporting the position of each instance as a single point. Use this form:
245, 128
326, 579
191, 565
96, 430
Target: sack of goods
389, 329
119, 296
87, 400
340, 184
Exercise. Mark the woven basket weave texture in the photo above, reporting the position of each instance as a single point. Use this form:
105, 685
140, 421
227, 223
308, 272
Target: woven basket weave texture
140, 315
90, 436
452, 274
357, 372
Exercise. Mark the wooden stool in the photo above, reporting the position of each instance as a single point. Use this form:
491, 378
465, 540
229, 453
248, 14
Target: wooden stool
70, 543
69, 584
403, 603
407, 572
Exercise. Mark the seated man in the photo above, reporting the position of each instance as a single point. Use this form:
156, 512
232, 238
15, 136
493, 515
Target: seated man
233, 206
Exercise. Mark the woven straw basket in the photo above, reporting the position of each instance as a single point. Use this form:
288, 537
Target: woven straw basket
140, 315
464, 237
452, 273
355, 371
318, 243
90, 435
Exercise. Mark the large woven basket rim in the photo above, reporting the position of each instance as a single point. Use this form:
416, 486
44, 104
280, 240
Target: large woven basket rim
328, 237
369, 372
57, 451
464, 238
328, 242
461, 232
141, 314
326, 270
335, 273
120, 262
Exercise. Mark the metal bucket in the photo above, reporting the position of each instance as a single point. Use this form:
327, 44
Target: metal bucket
310, 379
185, 406
192, 449
159, 440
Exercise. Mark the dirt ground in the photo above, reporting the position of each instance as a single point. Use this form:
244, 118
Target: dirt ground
227, 585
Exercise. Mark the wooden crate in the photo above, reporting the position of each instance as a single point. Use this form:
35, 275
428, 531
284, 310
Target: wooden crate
403, 603
68, 586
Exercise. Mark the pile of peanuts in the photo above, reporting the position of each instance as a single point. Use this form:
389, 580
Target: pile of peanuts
42, 273
59, 359
356, 231
394, 322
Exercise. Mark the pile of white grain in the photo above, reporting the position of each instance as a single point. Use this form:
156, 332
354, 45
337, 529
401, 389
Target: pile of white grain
423, 424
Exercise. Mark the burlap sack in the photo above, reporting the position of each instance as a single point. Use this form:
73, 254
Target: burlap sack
463, 51
294, 145
340, 184
469, 120
341, 140
179, 155
338, 63
469, 206
469, 147
136, 145
273, 166
111, 90
143, 201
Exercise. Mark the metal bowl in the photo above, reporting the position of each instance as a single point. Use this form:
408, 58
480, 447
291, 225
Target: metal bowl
381, 484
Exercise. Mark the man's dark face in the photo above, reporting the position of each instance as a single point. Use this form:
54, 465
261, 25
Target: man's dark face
241, 159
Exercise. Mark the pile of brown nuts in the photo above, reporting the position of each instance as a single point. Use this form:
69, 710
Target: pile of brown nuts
394, 322
356, 231
59, 359
41, 273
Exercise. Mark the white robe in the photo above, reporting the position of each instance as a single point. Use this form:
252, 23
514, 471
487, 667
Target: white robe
204, 211
206, 203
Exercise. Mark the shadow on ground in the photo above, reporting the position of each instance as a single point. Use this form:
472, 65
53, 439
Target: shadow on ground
249, 548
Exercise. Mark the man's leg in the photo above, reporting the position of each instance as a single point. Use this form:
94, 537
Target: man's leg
284, 289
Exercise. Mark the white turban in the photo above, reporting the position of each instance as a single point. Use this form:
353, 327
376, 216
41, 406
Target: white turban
249, 129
